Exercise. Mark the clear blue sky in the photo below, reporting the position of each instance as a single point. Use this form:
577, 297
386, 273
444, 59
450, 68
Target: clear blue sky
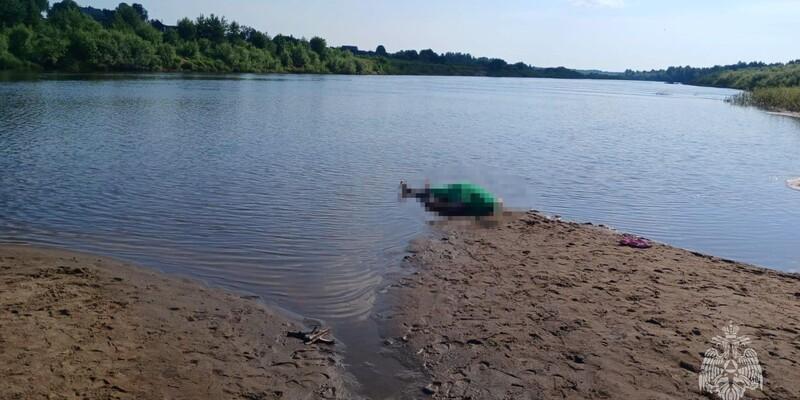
603, 34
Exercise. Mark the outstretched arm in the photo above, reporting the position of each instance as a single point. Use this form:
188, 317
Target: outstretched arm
421, 194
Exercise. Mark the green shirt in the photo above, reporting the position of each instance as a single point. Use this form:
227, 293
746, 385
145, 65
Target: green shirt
476, 199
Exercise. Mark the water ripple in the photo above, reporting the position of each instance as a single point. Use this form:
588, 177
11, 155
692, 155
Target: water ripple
285, 186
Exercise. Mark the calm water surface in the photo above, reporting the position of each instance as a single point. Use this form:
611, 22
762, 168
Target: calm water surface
285, 186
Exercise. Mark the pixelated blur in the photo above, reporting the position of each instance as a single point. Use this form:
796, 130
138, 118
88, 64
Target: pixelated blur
455, 200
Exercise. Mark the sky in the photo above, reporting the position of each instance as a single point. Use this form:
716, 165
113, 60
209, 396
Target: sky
611, 35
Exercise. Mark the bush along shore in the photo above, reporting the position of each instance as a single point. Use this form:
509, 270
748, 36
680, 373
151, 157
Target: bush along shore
778, 99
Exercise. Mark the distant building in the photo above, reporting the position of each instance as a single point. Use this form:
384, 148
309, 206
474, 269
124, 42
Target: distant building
160, 26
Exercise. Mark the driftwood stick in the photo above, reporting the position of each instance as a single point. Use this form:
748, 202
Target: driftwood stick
326, 341
317, 334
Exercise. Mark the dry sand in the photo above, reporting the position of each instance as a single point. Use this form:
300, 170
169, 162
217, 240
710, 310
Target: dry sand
541, 309
532, 308
75, 326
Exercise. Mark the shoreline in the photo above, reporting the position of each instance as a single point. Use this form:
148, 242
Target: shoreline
189, 74
531, 307
100, 328
792, 114
537, 308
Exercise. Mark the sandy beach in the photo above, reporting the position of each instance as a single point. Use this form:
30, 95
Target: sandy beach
530, 308
536, 308
76, 326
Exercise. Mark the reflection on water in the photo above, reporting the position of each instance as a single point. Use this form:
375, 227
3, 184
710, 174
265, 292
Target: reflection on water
285, 186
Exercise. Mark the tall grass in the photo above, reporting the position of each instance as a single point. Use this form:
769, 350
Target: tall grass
773, 98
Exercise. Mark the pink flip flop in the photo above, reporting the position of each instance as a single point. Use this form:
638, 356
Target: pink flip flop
635, 242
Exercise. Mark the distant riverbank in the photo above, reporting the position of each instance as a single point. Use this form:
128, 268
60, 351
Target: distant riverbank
67, 37
777, 100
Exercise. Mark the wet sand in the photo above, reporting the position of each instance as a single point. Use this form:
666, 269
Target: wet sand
792, 114
536, 308
75, 326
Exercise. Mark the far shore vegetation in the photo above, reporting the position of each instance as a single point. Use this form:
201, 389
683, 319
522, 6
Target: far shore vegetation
774, 87
779, 99
36, 36
65, 37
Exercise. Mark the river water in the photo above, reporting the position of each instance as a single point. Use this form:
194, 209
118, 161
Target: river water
286, 186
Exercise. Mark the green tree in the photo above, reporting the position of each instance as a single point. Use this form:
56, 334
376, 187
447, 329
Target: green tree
497, 64
50, 47
188, 49
319, 46
126, 17
83, 50
28, 12
67, 16
299, 57
132, 18
234, 33
428, 55
187, 30
171, 36
126, 39
285, 58
256, 38
7, 60
140, 11
20, 41
12, 12
3, 43
168, 58
212, 28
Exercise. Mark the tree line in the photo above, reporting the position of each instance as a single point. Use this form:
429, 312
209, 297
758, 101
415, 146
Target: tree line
428, 62
745, 76
35, 36
773, 86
